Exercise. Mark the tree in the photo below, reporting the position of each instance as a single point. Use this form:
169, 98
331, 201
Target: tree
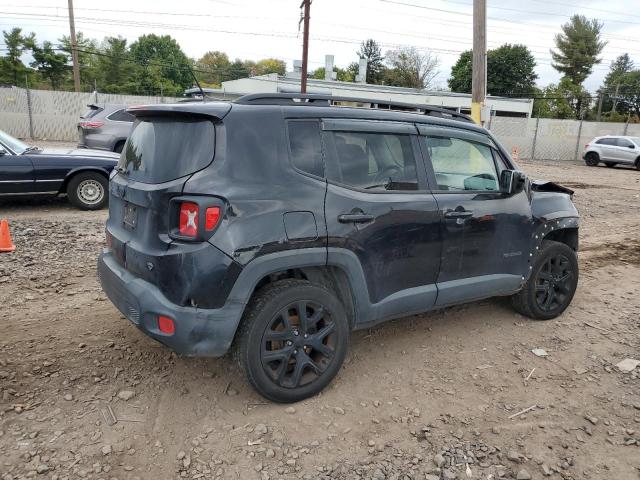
578, 47
411, 68
17, 44
629, 92
461, 72
371, 51
510, 71
87, 58
269, 65
564, 100
621, 65
216, 65
115, 71
165, 67
51, 65
612, 94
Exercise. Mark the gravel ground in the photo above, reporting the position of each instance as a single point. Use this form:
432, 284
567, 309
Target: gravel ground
453, 394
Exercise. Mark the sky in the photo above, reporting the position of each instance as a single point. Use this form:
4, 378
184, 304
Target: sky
252, 29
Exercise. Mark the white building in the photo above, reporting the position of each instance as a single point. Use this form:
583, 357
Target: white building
290, 83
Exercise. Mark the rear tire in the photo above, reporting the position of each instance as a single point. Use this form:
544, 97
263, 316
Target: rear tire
552, 284
288, 357
88, 191
591, 159
610, 164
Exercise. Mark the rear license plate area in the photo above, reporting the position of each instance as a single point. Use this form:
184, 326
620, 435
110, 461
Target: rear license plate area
130, 217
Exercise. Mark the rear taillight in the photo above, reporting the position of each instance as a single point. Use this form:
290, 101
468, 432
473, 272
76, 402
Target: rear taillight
586, 146
189, 213
211, 218
94, 124
195, 218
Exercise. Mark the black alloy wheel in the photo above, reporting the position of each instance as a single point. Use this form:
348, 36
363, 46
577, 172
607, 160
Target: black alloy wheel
292, 339
553, 283
299, 344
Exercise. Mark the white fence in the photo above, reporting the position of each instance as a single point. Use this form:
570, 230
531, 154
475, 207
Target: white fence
551, 139
53, 115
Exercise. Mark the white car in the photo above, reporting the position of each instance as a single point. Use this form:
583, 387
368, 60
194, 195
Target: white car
612, 150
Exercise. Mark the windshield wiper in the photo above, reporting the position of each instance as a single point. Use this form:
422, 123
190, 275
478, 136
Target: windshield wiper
31, 149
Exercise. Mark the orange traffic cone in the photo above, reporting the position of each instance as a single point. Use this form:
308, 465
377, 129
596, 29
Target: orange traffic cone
6, 245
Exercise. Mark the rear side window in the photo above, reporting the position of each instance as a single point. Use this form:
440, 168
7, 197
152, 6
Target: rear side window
606, 141
306, 146
159, 149
374, 161
121, 116
461, 165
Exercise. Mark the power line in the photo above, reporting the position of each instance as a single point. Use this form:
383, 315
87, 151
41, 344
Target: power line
263, 34
501, 8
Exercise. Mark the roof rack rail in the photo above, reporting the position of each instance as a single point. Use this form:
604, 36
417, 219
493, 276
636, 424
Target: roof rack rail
316, 100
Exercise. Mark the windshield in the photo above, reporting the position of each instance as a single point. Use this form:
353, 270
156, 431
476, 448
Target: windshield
636, 140
12, 144
163, 149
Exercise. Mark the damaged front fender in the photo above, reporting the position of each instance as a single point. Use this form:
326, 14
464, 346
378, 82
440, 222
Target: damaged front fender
555, 218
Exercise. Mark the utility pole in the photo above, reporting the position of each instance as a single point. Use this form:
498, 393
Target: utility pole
74, 48
600, 100
306, 4
615, 98
479, 68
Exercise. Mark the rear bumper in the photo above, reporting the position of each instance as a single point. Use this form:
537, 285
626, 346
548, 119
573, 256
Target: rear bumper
198, 332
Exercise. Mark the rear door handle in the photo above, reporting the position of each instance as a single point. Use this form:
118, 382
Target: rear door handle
458, 214
355, 218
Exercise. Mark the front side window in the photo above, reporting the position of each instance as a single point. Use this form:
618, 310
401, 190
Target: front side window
306, 146
461, 165
623, 142
374, 161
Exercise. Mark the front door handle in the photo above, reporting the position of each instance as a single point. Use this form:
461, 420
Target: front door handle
458, 214
355, 218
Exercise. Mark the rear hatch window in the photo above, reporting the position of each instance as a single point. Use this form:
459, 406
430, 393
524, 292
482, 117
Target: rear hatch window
93, 111
163, 149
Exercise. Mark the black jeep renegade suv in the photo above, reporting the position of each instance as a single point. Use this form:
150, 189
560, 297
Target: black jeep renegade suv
277, 224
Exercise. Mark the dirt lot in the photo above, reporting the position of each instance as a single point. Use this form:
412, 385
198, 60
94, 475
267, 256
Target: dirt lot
430, 397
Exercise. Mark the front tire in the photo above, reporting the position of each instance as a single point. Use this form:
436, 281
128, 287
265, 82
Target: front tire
591, 159
88, 191
552, 284
292, 341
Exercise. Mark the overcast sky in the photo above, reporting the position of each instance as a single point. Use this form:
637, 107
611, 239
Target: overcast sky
256, 29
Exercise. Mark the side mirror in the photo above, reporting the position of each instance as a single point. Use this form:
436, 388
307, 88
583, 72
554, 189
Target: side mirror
632, 146
512, 181
2, 151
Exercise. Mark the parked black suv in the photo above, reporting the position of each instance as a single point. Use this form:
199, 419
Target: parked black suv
279, 223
